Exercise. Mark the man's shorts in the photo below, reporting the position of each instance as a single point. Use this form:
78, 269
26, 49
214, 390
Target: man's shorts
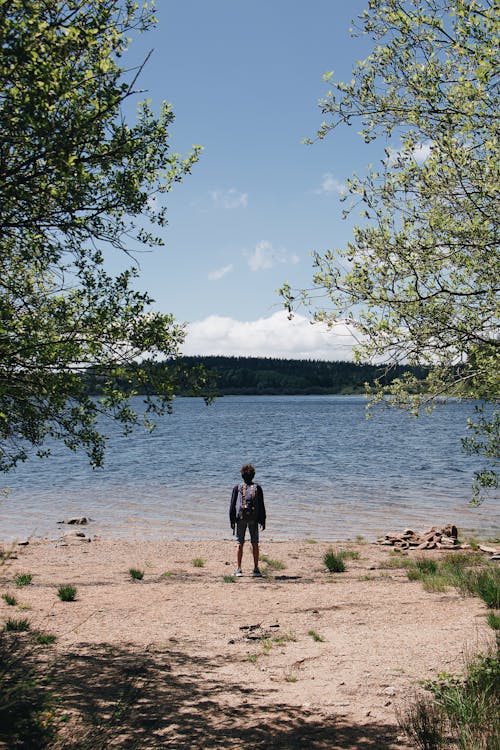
253, 528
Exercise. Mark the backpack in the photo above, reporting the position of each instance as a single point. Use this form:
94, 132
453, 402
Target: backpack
248, 506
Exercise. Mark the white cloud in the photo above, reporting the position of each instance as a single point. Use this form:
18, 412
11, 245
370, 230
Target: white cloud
275, 336
330, 184
219, 273
229, 199
266, 256
420, 153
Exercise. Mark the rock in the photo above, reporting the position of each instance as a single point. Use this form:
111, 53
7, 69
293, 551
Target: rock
23, 543
489, 550
76, 521
434, 538
390, 691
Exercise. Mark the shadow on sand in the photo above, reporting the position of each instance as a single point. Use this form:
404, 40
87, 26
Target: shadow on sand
164, 698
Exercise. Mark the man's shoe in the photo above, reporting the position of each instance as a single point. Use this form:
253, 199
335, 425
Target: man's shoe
238, 572
257, 573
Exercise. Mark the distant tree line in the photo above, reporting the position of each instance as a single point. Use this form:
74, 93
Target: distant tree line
236, 376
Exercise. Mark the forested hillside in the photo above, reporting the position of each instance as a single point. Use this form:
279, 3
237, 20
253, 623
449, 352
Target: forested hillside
258, 375
262, 375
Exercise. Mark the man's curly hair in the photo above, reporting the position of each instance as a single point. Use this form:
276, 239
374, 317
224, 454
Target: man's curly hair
248, 472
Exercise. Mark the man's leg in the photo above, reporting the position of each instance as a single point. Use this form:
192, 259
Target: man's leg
241, 528
255, 550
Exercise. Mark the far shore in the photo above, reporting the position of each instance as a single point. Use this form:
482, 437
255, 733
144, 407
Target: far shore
301, 658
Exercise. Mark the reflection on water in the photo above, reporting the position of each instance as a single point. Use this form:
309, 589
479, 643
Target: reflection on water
327, 472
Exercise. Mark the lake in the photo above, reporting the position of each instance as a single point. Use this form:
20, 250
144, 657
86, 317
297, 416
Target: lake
328, 473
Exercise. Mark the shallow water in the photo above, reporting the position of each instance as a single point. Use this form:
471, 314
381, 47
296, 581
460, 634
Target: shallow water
327, 473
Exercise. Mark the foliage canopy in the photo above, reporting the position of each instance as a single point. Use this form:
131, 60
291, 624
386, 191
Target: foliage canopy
78, 185
419, 281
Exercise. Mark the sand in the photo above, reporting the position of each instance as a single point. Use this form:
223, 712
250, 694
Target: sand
298, 659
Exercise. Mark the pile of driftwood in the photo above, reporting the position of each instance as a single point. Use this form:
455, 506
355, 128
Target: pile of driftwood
445, 537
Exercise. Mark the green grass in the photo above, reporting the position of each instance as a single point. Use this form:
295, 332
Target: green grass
18, 625
315, 636
426, 566
45, 639
23, 579
136, 574
198, 562
471, 703
311, 541
280, 640
434, 583
494, 620
26, 715
349, 554
274, 564
487, 586
167, 574
461, 710
423, 722
9, 599
470, 574
229, 579
333, 562
266, 645
66, 592
252, 658
396, 561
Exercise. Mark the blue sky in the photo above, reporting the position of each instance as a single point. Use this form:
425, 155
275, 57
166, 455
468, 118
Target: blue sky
244, 80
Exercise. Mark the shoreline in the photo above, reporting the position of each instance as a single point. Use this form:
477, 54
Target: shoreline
313, 659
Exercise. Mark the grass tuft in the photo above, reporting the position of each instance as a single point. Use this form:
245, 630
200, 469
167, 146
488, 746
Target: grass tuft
9, 599
23, 579
494, 620
471, 703
17, 625
423, 722
426, 566
66, 592
274, 564
229, 579
136, 574
45, 639
315, 636
349, 554
333, 562
198, 562
488, 587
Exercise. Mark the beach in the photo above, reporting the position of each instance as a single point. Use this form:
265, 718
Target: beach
301, 658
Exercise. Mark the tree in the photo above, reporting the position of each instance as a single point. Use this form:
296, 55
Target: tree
77, 184
420, 279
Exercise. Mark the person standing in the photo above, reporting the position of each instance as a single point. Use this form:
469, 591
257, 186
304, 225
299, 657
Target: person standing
247, 511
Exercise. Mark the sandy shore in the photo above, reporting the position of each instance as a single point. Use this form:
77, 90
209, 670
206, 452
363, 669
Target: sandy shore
299, 659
